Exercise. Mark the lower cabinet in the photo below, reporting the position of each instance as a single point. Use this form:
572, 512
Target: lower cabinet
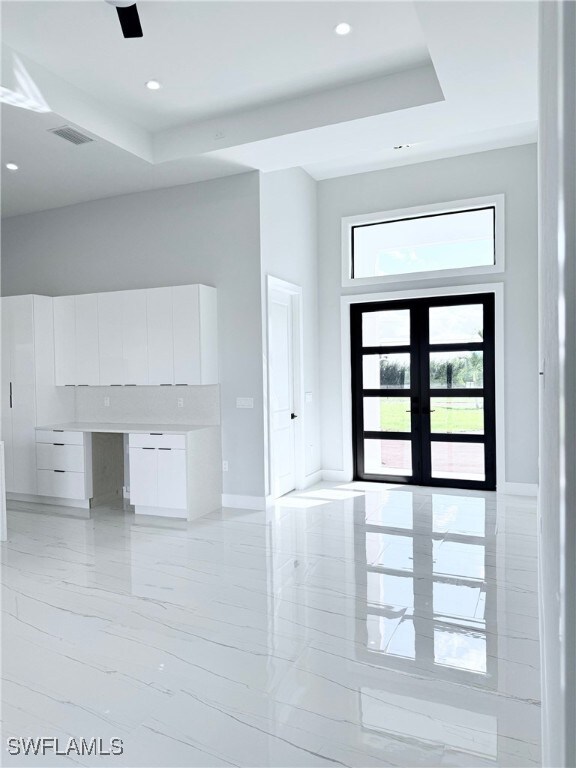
64, 465
61, 484
158, 473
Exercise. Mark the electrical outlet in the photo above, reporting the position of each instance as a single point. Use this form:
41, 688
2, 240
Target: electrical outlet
224, 466
180, 402
107, 402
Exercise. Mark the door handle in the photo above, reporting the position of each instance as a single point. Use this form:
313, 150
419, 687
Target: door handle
293, 416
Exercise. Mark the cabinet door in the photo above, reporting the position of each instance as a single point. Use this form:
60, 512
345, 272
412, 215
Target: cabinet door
172, 478
110, 338
208, 334
23, 397
135, 337
160, 336
186, 318
65, 340
6, 424
144, 477
87, 356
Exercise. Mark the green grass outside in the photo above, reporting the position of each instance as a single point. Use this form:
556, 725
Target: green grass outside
459, 416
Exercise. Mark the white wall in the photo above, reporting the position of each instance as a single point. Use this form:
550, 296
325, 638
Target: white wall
509, 171
288, 233
199, 233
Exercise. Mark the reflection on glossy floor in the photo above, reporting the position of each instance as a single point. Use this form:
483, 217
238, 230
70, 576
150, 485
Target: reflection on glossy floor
355, 625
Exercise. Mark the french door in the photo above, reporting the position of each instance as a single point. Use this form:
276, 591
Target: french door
423, 391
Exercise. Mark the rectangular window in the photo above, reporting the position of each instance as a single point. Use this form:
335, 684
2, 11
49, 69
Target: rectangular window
431, 241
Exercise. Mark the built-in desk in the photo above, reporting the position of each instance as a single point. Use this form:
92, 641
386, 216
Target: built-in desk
174, 470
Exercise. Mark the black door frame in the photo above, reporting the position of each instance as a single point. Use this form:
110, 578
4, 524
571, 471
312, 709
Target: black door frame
420, 393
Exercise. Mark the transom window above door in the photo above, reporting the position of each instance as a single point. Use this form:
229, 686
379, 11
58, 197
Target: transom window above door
459, 238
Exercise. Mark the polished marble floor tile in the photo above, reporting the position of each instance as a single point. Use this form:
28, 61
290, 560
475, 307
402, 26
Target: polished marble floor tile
353, 625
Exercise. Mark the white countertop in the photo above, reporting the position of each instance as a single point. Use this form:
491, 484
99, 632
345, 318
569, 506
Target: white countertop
90, 426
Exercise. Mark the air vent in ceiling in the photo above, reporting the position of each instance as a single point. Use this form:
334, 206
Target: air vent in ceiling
70, 134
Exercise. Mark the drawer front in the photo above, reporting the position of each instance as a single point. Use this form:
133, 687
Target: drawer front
60, 456
58, 436
156, 441
64, 485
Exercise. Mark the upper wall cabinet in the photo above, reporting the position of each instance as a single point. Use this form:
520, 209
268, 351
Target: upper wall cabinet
157, 336
123, 338
76, 348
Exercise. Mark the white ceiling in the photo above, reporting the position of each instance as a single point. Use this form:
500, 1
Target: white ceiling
213, 57
264, 85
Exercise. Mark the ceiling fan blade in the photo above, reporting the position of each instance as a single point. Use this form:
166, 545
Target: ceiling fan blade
130, 21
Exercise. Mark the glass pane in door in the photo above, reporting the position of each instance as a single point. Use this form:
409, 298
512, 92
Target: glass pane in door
457, 415
461, 461
386, 371
388, 457
457, 324
387, 414
456, 370
391, 327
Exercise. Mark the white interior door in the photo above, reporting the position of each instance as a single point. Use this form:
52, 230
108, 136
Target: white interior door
281, 372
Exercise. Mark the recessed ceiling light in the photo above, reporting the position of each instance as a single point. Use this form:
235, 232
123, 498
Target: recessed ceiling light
12, 166
153, 85
343, 28
402, 146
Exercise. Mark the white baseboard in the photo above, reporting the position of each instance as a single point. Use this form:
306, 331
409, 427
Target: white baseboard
519, 489
311, 479
233, 501
182, 514
336, 476
34, 499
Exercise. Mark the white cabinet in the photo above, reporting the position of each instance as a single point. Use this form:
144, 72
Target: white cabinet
110, 338
157, 336
64, 465
87, 352
143, 477
123, 338
19, 393
29, 394
135, 337
65, 340
171, 478
76, 349
160, 336
158, 474
195, 321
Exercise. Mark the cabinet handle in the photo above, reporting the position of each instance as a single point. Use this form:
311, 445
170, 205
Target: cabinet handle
57, 443
156, 433
60, 470
164, 449
166, 385
10, 394
144, 448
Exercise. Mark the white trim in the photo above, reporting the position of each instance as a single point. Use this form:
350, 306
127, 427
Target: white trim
311, 479
35, 499
244, 502
295, 293
519, 489
180, 514
497, 289
336, 476
498, 201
